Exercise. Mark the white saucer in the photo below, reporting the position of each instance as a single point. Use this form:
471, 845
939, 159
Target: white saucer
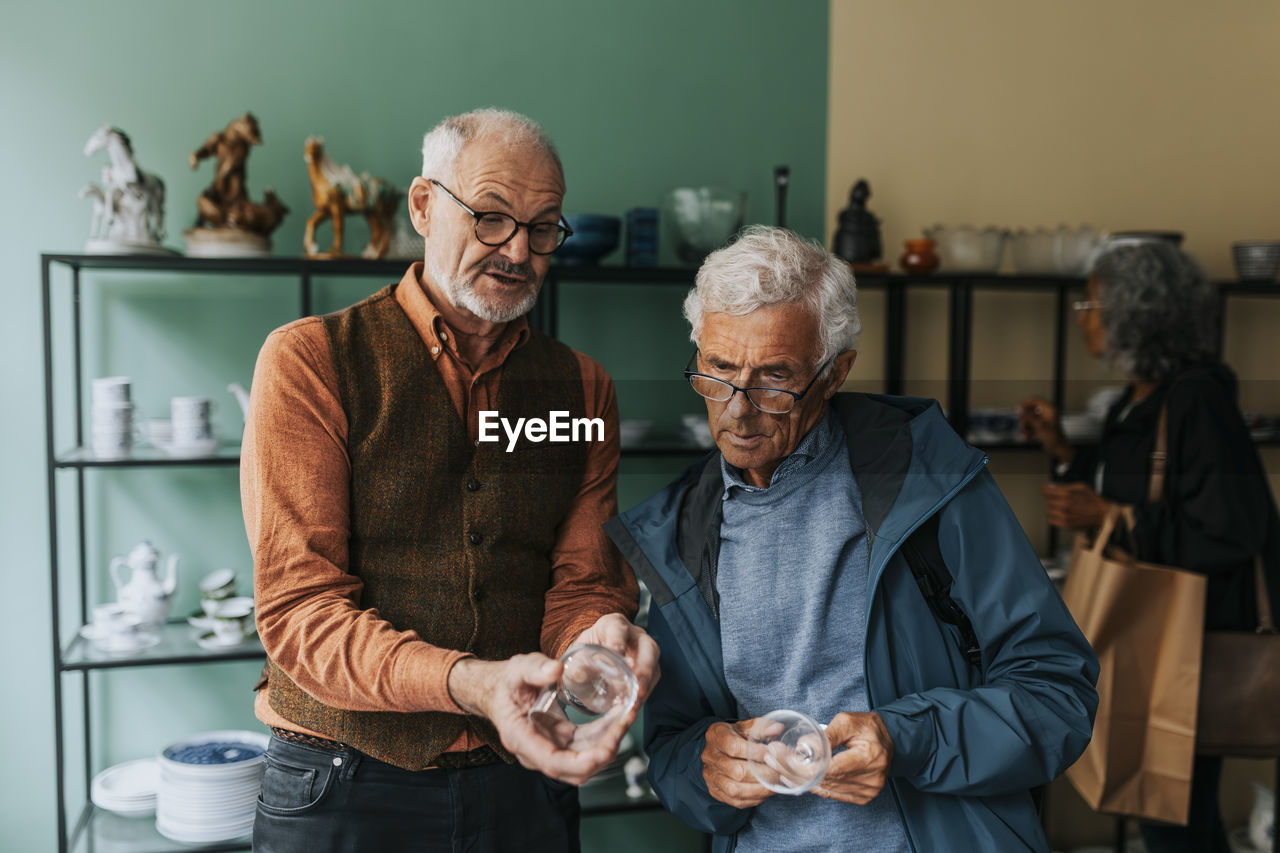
201, 623
119, 643
191, 451
128, 789
213, 643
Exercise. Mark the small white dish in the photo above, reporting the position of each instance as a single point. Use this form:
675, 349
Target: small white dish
119, 643
217, 581
191, 451
200, 622
213, 642
128, 789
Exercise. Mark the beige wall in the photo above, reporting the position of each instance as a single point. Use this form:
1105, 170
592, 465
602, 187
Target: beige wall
1121, 115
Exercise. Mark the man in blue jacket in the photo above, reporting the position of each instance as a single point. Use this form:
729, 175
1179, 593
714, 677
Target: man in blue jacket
783, 574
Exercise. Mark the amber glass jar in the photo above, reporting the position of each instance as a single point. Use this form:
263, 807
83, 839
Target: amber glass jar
919, 256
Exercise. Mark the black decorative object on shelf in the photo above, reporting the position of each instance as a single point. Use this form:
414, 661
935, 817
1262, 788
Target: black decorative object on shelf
857, 238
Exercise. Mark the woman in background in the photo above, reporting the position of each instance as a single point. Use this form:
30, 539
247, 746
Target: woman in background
1151, 309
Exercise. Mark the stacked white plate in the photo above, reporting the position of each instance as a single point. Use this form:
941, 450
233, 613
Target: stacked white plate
128, 789
209, 786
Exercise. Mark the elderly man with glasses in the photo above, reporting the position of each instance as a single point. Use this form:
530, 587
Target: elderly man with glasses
415, 585
846, 556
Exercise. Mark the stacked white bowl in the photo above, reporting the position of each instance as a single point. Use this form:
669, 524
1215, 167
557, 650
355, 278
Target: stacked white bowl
209, 786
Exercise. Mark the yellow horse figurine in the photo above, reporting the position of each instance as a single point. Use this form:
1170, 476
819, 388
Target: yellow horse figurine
338, 190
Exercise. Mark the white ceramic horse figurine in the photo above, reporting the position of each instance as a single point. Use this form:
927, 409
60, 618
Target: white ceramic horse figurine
132, 200
98, 226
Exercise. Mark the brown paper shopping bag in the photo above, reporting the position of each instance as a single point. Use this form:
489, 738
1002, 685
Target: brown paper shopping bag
1146, 623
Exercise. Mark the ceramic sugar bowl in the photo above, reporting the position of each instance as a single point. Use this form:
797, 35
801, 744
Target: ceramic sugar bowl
139, 587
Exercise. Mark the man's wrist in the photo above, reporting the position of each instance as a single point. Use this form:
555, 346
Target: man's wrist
467, 682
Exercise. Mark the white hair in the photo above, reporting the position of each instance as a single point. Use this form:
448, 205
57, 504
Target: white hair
442, 145
773, 266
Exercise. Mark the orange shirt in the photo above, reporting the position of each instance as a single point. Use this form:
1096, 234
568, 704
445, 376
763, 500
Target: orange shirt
294, 486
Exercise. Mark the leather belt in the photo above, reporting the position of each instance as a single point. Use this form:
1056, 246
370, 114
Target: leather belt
479, 757
309, 740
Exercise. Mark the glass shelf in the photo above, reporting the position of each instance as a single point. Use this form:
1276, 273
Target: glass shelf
103, 830
146, 457
177, 646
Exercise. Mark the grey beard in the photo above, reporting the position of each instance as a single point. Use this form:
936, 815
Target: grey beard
462, 293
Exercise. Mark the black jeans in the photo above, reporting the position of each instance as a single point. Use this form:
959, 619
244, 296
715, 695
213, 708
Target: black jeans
317, 801
1204, 832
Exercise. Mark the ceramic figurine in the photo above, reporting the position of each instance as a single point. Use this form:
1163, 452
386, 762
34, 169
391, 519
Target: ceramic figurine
228, 222
128, 209
858, 236
144, 593
338, 190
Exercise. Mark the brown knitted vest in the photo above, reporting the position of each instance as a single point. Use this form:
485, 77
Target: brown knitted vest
451, 540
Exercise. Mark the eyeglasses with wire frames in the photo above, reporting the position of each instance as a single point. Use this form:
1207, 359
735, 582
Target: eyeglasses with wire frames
771, 401
1086, 305
494, 228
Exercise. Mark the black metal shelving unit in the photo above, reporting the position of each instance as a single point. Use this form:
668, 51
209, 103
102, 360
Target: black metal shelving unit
77, 658
178, 649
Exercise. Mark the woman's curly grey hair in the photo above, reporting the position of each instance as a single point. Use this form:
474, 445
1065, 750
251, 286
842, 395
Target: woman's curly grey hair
443, 143
1159, 311
771, 266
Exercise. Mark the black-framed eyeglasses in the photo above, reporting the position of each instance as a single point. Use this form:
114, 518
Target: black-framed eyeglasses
494, 228
771, 401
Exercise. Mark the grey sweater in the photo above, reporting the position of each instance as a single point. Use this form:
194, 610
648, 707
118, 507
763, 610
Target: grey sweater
792, 583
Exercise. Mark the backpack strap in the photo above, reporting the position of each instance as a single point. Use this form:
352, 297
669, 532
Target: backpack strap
924, 556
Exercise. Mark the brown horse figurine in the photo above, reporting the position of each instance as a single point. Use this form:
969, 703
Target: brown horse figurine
336, 191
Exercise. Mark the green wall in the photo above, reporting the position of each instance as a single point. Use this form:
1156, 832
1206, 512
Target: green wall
639, 97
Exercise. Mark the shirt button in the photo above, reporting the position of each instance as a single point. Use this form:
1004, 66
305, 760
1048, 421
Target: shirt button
473, 485
435, 350
337, 762
444, 336
475, 537
477, 594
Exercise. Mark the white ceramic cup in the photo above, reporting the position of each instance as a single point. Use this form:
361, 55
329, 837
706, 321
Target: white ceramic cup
231, 619
111, 389
111, 429
114, 624
189, 420
215, 588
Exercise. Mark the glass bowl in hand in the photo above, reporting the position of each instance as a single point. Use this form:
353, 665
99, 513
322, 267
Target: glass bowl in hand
789, 751
595, 690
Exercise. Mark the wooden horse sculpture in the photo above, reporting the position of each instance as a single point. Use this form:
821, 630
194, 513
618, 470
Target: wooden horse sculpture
336, 191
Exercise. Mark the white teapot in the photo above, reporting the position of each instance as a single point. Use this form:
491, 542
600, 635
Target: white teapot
145, 594
242, 397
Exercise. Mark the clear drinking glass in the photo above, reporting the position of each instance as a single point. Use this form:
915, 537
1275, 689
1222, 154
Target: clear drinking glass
792, 753
595, 690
